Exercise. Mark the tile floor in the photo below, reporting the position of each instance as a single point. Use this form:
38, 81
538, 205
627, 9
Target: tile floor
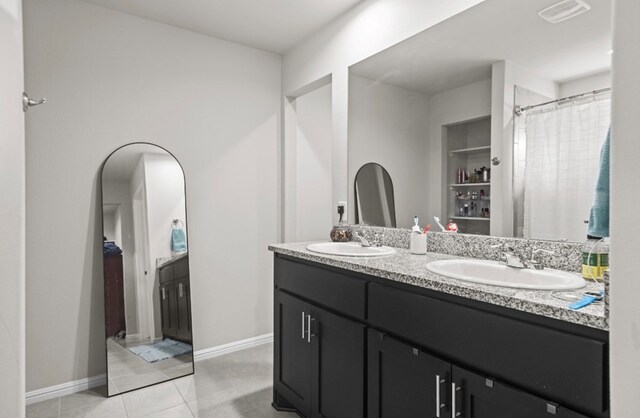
230, 386
129, 371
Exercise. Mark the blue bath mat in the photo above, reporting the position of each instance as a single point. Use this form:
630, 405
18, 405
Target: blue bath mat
161, 350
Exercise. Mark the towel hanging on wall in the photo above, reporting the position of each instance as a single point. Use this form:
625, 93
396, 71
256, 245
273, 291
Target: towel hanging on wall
178, 237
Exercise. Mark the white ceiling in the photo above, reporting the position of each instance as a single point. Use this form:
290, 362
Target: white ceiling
461, 49
122, 163
271, 25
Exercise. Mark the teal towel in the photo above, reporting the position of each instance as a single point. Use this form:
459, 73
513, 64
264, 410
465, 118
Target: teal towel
178, 240
599, 217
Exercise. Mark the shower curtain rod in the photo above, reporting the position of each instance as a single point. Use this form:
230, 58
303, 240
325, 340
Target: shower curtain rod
520, 110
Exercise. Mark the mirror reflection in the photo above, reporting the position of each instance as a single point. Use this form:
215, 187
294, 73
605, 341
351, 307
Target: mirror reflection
502, 137
146, 268
374, 197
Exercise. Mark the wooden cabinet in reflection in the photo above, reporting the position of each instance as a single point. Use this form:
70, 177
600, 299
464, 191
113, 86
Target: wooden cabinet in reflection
114, 295
175, 300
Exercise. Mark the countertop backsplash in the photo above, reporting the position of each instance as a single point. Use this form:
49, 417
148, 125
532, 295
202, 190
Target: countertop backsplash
567, 254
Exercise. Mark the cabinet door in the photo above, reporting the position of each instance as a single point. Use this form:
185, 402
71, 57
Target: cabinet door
404, 381
292, 371
169, 308
480, 397
338, 361
184, 310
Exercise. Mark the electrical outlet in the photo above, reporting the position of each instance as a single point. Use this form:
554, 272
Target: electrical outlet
343, 203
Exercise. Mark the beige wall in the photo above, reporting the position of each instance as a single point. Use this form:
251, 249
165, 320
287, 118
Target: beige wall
625, 229
110, 79
12, 184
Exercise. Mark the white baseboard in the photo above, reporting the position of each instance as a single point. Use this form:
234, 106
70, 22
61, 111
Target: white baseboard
231, 347
63, 389
79, 385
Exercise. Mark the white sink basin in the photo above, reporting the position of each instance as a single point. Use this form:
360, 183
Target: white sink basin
497, 274
350, 249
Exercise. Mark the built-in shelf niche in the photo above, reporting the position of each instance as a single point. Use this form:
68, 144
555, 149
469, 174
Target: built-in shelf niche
467, 144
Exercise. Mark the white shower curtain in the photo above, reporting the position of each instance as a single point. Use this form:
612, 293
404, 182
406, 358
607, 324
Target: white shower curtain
562, 162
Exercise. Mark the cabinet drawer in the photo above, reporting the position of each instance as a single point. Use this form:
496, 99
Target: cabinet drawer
166, 274
327, 288
559, 366
181, 268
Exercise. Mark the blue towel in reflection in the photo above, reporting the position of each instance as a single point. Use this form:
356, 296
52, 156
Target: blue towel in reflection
178, 240
599, 217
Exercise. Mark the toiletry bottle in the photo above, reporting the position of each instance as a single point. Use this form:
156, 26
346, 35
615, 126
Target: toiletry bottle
595, 259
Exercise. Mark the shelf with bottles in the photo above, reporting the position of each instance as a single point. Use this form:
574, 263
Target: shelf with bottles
469, 184
471, 150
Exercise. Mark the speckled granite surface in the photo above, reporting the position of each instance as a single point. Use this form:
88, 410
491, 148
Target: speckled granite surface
567, 254
411, 269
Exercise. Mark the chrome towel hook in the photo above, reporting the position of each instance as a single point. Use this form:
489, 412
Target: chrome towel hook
27, 102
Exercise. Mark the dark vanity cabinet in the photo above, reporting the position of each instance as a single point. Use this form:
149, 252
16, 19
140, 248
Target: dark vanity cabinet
350, 345
175, 300
320, 369
405, 381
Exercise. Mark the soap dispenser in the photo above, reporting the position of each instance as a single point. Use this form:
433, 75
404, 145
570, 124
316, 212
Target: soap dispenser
340, 232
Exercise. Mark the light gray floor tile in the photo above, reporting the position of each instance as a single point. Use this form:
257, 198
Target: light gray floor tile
230, 386
269, 412
45, 409
108, 408
180, 411
152, 399
84, 398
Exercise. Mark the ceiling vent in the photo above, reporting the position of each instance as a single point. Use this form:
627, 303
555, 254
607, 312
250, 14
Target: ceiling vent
564, 10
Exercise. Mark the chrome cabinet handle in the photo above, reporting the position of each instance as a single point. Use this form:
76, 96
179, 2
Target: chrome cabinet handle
303, 330
454, 393
180, 289
309, 334
439, 404
164, 295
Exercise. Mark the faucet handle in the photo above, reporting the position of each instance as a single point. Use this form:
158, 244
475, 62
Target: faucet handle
536, 257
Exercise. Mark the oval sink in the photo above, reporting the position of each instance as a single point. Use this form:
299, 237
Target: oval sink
497, 274
349, 249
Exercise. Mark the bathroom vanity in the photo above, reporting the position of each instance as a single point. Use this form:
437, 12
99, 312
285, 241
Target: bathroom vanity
175, 299
356, 338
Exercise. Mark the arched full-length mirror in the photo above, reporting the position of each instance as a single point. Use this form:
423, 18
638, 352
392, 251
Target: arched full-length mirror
375, 204
146, 268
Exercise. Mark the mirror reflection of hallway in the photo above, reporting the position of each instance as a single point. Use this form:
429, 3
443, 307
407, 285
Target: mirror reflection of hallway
146, 268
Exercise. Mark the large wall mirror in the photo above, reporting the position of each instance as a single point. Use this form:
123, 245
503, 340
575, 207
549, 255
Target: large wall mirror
146, 268
457, 116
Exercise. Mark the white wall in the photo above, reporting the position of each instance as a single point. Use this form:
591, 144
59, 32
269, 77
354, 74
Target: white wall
464, 103
389, 125
625, 229
585, 84
111, 79
366, 29
12, 204
313, 165
505, 77
117, 192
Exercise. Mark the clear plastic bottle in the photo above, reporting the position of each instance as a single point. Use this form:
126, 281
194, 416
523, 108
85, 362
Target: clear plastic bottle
595, 259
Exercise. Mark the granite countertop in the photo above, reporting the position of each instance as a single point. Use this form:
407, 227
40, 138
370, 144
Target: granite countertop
411, 269
163, 261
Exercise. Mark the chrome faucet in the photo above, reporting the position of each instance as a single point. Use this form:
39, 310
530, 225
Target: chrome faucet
362, 239
375, 242
516, 259
536, 260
